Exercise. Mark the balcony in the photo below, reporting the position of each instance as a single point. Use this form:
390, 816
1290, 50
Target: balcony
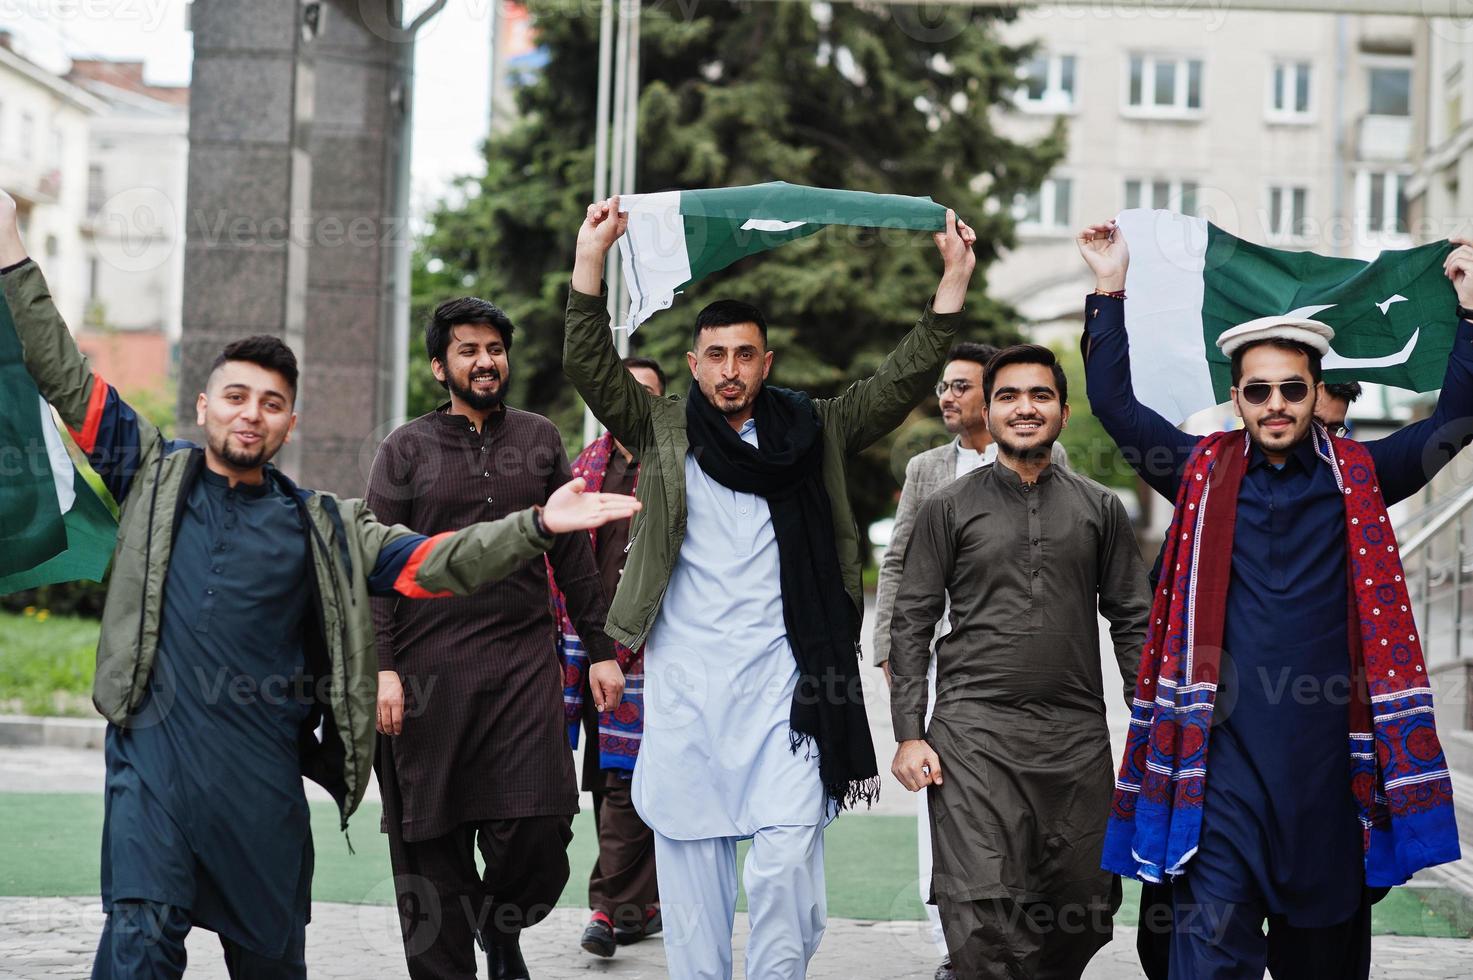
1384, 138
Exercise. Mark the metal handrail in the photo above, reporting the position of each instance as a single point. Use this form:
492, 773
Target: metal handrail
1451, 513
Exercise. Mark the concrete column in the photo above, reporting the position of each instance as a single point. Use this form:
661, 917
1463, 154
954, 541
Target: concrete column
286, 227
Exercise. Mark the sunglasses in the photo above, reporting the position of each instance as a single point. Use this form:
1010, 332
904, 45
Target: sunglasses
1260, 391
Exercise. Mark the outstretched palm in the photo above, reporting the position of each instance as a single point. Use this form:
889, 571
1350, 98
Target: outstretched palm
572, 508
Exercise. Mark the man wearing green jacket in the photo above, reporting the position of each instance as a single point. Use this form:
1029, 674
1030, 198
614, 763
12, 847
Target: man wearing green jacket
743, 585
236, 653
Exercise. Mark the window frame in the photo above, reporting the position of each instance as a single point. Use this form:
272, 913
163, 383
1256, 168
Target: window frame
1288, 114
1045, 106
1050, 223
1179, 109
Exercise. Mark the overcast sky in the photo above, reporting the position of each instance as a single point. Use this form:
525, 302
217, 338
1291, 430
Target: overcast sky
452, 64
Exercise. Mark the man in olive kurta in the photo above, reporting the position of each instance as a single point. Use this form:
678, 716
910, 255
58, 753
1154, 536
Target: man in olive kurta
1016, 760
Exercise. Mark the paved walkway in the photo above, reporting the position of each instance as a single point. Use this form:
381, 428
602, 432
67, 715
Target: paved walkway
54, 938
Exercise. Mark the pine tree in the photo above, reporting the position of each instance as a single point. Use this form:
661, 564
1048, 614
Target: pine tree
862, 97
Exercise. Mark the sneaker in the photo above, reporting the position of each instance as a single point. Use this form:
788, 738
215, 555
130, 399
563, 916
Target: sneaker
652, 926
598, 937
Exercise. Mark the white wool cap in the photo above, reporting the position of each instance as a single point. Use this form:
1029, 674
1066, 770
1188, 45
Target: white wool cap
1312, 333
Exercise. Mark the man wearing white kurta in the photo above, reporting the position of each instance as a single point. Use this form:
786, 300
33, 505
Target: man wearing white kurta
963, 412
731, 750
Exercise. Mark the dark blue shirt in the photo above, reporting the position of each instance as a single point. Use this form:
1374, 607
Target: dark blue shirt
205, 808
1279, 823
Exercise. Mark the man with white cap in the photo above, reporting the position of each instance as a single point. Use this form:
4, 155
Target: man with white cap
1281, 630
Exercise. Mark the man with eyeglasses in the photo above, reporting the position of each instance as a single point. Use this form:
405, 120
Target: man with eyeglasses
1281, 631
1333, 406
964, 413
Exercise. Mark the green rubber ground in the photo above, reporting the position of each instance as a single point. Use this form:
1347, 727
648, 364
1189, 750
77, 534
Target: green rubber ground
50, 847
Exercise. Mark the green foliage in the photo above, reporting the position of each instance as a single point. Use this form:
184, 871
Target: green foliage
892, 99
1091, 450
46, 662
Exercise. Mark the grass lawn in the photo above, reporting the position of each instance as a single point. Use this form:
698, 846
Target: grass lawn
46, 664
51, 848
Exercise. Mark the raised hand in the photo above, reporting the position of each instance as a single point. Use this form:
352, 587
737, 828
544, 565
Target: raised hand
11, 249
602, 226
1459, 268
958, 260
1103, 247
572, 508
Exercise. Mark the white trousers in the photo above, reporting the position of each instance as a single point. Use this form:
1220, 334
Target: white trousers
923, 830
786, 903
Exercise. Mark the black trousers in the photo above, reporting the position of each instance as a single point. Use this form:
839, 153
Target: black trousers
1214, 939
444, 903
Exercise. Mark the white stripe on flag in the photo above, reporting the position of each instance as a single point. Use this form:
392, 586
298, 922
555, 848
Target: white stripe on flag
62, 470
771, 224
1168, 353
656, 236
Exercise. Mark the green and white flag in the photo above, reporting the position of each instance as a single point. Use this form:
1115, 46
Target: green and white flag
676, 237
1394, 318
53, 527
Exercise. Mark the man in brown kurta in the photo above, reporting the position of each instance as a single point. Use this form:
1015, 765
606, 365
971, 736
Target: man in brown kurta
475, 753
1016, 760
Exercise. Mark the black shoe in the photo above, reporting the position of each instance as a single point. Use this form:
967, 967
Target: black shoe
653, 924
598, 937
944, 971
504, 960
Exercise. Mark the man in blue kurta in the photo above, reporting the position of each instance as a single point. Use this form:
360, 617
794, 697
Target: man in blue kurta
1280, 837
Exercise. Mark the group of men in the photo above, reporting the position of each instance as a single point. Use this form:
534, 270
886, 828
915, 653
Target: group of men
707, 654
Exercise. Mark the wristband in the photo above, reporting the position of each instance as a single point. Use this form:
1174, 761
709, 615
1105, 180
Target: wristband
537, 523
1464, 313
1112, 293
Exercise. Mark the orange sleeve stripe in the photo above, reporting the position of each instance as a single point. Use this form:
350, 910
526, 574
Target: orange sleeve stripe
87, 437
406, 584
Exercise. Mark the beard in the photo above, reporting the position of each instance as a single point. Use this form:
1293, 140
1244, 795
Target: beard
729, 406
478, 401
241, 459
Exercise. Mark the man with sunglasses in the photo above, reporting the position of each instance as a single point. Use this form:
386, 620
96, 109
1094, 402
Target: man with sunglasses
964, 413
1280, 545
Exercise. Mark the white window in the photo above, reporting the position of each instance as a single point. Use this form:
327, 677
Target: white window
96, 188
1289, 90
1288, 212
1164, 85
1048, 83
1162, 194
56, 148
1380, 202
1389, 91
27, 136
1046, 209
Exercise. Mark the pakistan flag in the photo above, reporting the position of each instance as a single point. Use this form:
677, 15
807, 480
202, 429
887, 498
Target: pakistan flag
53, 527
676, 237
1394, 318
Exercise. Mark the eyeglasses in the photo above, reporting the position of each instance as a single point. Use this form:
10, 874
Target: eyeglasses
958, 388
1259, 391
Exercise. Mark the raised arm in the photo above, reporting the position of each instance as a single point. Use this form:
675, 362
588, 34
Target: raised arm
870, 408
116, 440
1408, 459
1125, 598
1154, 448
459, 562
590, 358
894, 560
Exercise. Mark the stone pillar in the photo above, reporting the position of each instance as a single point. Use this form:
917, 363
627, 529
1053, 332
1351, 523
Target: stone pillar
286, 223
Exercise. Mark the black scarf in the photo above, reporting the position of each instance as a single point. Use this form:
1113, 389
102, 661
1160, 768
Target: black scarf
822, 623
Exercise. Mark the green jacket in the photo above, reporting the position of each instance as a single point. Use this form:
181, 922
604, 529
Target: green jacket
353, 555
654, 430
